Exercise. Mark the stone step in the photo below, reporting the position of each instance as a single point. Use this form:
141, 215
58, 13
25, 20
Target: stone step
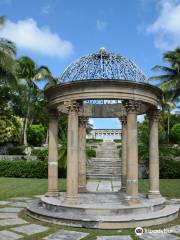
115, 217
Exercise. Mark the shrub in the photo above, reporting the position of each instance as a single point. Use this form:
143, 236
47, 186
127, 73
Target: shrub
23, 169
36, 134
175, 133
42, 155
92, 141
90, 153
169, 168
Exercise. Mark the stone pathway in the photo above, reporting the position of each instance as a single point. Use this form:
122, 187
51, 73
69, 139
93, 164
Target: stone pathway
17, 228
103, 186
66, 235
158, 236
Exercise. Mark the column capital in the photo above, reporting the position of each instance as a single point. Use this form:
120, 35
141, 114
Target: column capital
131, 106
123, 119
83, 121
53, 113
154, 114
72, 106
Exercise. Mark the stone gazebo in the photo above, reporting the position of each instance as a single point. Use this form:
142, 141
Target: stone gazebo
84, 86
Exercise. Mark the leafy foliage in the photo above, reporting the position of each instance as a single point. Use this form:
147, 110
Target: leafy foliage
169, 168
36, 134
175, 133
23, 169
10, 129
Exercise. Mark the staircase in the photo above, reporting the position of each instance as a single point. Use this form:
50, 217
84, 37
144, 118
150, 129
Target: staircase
106, 165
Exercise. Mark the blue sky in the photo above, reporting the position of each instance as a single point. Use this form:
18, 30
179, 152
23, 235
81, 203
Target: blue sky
56, 32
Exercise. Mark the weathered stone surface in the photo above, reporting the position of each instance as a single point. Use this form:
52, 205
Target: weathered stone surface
4, 203
7, 235
8, 215
158, 236
174, 229
30, 229
114, 238
19, 204
12, 221
66, 235
10, 210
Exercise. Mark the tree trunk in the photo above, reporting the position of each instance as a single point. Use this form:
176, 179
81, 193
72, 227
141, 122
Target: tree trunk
47, 136
168, 127
27, 119
25, 127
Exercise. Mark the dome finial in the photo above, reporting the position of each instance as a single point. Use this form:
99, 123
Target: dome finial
102, 50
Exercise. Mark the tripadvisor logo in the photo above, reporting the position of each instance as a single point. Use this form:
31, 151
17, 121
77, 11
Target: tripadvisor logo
138, 231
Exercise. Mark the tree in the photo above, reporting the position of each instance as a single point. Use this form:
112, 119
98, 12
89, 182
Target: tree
170, 79
30, 74
175, 133
168, 104
7, 59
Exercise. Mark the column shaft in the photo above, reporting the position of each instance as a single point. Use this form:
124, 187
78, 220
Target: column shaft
132, 156
53, 155
72, 154
124, 154
82, 154
153, 156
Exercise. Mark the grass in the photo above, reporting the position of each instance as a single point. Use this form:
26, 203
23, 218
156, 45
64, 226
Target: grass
24, 187
19, 187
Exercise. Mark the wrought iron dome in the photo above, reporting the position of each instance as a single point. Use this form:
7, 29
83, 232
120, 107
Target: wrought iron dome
102, 65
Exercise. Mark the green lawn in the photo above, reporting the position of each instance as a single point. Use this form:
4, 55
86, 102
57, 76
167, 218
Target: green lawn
18, 187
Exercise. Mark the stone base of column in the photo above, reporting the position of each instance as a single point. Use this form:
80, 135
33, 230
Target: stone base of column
52, 194
82, 189
132, 200
71, 200
154, 194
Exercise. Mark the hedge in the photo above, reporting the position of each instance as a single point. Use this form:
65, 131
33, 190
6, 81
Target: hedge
23, 169
26, 169
169, 169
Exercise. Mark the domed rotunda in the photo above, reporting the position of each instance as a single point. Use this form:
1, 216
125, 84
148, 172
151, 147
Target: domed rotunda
103, 85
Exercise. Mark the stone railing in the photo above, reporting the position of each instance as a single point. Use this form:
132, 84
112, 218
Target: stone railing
18, 157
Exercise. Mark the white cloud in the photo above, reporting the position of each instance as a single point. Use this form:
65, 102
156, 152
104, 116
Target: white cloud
166, 28
101, 25
27, 35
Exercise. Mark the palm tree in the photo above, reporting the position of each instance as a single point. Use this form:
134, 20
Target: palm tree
168, 104
7, 59
30, 74
170, 79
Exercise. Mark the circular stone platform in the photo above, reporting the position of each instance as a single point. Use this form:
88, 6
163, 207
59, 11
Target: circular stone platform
103, 211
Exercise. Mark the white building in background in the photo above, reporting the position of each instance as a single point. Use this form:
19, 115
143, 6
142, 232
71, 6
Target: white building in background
106, 134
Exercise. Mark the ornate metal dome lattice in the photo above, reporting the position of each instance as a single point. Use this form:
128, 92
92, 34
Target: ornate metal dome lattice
103, 65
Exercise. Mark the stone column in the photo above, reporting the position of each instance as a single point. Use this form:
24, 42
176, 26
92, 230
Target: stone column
53, 155
124, 154
72, 152
82, 154
132, 149
153, 155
